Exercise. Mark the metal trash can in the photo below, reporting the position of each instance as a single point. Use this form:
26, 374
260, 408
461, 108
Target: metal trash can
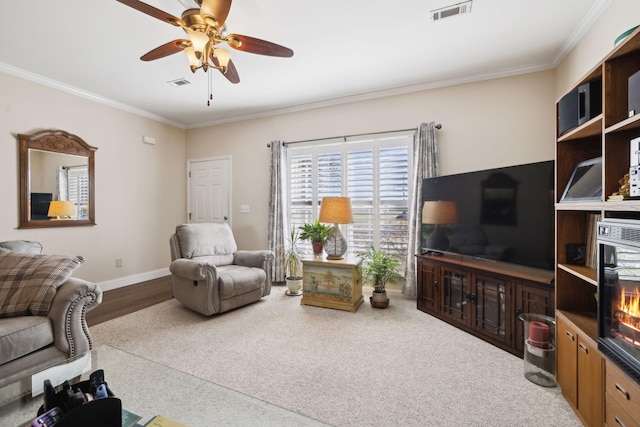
539, 349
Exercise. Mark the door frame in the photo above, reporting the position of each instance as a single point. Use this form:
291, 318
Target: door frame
226, 157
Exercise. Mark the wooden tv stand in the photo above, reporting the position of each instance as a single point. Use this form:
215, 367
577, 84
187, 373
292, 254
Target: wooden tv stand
482, 297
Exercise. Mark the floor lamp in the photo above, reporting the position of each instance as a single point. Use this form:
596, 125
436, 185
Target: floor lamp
439, 213
336, 210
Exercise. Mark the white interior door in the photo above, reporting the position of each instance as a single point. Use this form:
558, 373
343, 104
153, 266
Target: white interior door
209, 194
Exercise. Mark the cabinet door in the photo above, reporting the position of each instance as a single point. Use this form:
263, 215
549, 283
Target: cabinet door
567, 357
428, 289
453, 283
590, 387
488, 300
530, 299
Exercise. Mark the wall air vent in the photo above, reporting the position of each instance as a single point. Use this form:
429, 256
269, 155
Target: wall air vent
179, 82
451, 11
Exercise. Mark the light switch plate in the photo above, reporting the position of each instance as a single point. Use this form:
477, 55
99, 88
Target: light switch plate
244, 208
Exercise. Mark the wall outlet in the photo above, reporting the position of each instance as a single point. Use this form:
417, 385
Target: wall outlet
118, 262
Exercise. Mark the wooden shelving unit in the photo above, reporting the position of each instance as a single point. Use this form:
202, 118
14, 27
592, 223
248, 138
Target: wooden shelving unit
580, 365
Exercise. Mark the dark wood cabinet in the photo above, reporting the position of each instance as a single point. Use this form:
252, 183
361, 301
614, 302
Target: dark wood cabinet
488, 301
580, 366
483, 297
454, 294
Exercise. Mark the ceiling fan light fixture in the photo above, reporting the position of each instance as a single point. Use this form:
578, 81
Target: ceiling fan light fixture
199, 41
194, 62
223, 56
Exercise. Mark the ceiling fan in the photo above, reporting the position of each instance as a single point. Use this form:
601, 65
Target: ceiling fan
206, 30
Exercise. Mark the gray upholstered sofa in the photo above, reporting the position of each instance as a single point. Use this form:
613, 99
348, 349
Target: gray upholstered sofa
58, 330
210, 275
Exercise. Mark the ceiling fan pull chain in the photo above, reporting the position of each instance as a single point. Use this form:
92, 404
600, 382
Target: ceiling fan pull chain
209, 89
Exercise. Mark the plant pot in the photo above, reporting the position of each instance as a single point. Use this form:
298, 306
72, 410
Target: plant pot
379, 300
294, 286
318, 247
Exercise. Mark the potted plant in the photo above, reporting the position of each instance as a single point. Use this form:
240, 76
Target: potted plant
292, 260
317, 234
378, 268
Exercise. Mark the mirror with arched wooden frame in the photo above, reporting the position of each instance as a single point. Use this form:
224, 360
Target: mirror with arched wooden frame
56, 170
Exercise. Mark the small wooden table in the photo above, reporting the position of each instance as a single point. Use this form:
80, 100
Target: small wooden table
332, 283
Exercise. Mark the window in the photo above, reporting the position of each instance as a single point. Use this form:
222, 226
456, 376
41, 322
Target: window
73, 182
374, 172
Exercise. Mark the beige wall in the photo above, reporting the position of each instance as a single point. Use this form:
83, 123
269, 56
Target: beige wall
487, 124
596, 44
140, 188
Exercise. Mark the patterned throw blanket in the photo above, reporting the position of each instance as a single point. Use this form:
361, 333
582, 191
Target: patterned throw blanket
28, 282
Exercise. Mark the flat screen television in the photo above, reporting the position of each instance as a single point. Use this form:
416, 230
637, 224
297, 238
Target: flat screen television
40, 206
504, 214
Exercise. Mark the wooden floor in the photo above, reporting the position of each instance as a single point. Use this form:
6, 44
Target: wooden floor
121, 301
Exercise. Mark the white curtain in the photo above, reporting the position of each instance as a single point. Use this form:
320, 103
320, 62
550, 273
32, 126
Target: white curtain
276, 209
425, 165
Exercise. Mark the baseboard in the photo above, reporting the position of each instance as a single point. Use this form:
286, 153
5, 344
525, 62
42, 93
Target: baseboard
133, 279
129, 298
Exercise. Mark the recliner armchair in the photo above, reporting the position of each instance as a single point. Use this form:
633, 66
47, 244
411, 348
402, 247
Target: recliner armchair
210, 275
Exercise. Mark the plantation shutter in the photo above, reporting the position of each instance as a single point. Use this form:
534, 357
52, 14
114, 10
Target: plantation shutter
78, 189
373, 172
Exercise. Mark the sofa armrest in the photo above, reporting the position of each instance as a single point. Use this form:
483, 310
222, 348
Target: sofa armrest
68, 315
259, 259
252, 258
192, 269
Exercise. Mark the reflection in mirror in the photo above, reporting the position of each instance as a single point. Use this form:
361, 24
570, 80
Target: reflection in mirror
56, 180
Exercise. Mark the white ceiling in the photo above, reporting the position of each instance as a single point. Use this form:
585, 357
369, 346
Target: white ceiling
343, 51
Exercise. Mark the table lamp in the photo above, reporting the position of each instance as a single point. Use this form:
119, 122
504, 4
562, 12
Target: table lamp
61, 209
439, 213
336, 210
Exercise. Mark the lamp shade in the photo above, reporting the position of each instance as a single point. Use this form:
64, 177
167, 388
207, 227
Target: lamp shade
336, 210
439, 212
61, 208
223, 56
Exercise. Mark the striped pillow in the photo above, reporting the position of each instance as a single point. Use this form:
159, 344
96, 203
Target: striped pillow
28, 282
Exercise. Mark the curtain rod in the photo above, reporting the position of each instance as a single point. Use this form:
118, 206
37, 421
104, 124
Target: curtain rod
438, 126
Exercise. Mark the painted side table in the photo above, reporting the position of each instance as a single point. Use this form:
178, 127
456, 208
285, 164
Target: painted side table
332, 283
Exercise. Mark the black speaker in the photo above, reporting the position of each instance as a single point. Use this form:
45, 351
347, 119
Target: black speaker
634, 94
40, 205
589, 100
568, 112
575, 253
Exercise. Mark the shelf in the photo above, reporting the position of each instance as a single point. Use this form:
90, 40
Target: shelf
581, 206
587, 274
591, 128
586, 322
624, 125
629, 45
632, 205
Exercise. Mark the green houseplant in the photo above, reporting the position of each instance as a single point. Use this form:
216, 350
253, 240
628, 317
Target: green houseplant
292, 260
317, 234
378, 268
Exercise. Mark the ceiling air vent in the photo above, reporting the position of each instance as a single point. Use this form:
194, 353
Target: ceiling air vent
450, 11
179, 82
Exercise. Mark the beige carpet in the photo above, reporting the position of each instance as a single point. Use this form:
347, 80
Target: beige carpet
392, 367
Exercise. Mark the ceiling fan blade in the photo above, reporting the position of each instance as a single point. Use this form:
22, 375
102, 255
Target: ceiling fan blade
152, 11
216, 9
231, 73
257, 46
166, 50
